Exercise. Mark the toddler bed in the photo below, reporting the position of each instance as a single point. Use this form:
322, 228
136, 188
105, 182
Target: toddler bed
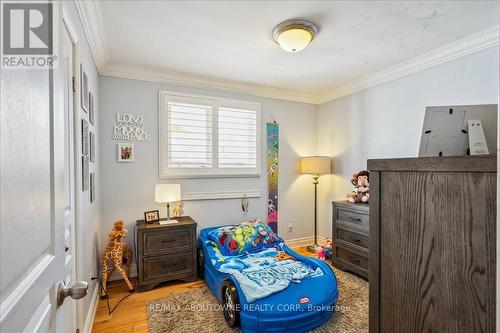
264, 285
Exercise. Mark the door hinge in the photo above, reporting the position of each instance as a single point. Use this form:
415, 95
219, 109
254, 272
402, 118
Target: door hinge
74, 90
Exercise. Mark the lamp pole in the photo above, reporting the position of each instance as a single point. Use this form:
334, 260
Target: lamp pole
312, 248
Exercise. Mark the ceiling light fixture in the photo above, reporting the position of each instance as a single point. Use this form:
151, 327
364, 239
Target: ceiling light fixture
294, 35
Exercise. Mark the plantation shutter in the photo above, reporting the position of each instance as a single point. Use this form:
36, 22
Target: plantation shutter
189, 135
237, 138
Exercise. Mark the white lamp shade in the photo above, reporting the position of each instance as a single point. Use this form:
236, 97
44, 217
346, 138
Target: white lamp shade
167, 193
316, 165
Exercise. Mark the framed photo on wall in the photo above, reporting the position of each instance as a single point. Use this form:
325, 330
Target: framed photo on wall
126, 152
85, 137
92, 187
84, 89
85, 173
92, 146
91, 108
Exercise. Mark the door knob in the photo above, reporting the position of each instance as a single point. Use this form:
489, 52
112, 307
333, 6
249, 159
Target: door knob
78, 290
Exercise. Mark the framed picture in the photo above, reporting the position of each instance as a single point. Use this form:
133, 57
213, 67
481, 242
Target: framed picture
126, 152
85, 173
152, 216
84, 89
92, 187
92, 147
91, 108
85, 137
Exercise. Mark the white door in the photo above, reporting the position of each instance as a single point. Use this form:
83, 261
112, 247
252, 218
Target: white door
66, 315
36, 204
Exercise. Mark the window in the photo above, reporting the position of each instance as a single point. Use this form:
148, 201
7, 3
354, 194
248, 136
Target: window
208, 137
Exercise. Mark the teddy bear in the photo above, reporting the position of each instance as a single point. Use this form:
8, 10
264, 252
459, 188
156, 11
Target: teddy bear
361, 191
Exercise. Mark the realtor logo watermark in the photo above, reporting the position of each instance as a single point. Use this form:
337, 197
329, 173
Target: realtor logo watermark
28, 32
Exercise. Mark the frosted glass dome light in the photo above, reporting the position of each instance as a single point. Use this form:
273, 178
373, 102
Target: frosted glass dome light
294, 35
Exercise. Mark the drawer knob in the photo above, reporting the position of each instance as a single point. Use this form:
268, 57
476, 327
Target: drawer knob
167, 241
355, 219
354, 260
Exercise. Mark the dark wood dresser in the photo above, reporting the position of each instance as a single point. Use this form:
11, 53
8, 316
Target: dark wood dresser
432, 244
166, 252
351, 237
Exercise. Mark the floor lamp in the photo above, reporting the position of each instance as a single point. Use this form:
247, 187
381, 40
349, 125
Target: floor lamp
316, 166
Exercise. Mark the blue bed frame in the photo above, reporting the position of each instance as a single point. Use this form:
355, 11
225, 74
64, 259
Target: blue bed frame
297, 309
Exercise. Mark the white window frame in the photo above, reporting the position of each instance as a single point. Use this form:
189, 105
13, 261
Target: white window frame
215, 171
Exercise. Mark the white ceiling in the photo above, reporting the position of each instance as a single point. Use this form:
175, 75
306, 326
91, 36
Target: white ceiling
231, 40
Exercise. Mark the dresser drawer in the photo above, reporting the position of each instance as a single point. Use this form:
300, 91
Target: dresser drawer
166, 266
353, 237
168, 242
352, 258
353, 217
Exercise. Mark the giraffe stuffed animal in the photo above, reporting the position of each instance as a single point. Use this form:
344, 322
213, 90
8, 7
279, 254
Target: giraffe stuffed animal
117, 253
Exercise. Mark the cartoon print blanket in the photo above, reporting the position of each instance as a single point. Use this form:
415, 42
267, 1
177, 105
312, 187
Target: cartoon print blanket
250, 236
263, 273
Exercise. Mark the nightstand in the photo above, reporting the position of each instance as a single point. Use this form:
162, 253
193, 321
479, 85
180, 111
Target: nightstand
351, 250
166, 252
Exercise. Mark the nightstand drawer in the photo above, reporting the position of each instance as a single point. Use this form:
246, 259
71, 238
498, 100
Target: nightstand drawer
353, 237
167, 266
353, 217
352, 258
171, 242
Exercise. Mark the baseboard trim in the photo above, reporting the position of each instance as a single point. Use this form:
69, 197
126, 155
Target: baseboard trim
89, 320
304, 241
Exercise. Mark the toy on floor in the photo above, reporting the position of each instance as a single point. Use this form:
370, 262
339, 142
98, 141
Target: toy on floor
328, 249
325, 252
319, 253
118, 253
361, 191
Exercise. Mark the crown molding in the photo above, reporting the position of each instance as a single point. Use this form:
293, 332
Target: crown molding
91, 16
204, 82
449, 52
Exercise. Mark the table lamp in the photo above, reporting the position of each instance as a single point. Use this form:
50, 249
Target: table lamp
316, 166
167, 193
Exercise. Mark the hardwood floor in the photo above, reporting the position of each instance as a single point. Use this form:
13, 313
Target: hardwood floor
130, 315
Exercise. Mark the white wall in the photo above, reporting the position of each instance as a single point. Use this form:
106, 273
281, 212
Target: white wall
386, 121
88, 226
128, 188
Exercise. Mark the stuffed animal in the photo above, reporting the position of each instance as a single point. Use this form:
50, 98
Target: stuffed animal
328, 249
319, 253
361, 191
116, 252
177, 210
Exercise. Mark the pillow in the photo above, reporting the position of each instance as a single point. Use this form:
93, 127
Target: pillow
245, 237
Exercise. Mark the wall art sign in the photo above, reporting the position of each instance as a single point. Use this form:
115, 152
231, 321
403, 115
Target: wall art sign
272, 174
129, 127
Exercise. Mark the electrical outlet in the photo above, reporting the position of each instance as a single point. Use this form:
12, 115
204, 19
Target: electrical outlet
290, 227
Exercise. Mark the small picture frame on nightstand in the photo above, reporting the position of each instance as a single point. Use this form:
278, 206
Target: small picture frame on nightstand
152, 216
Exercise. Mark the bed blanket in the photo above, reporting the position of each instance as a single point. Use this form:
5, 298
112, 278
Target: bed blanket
263, 273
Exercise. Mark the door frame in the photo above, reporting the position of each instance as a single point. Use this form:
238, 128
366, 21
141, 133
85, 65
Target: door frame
68, 25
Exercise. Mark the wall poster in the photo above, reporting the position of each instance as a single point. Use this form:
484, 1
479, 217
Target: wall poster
272, 174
